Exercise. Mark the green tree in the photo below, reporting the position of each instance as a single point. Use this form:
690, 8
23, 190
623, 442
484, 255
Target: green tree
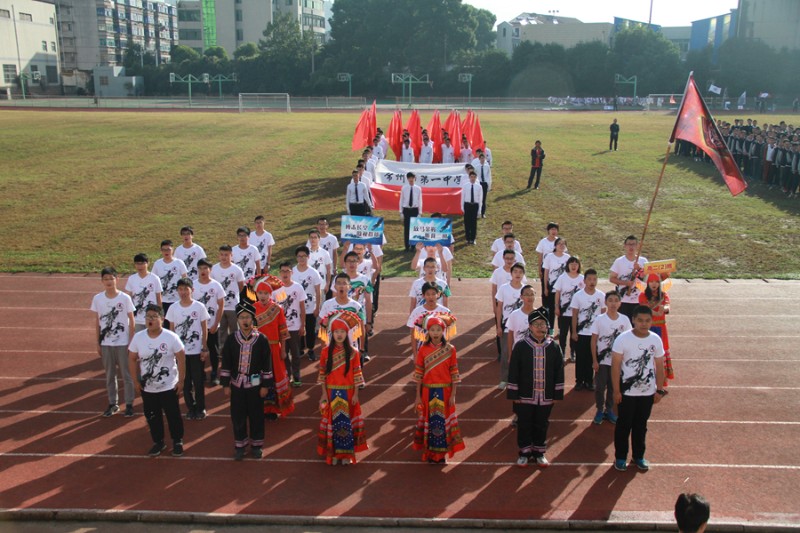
182, 53
649, 56
746, 65
216, 53
246, 50
284, 62
699, 62
587, 63
539, 70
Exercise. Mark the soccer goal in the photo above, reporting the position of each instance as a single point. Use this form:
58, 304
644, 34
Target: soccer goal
264, 102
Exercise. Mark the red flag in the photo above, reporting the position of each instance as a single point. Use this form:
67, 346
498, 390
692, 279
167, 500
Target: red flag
415, 133
373, 122
696, 125
466, 126
445, 200
453, 127
395, 134
435, 134
362, 137
476, 139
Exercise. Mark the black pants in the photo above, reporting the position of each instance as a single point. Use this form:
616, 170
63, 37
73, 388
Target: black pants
213, 352
359, 210
194, 389
165, 306
471, 220
627, 309
307, 342
613, 140
532, 424
376, 293
584, 373
549, 302
293, 349
633, 413
564, 330
247, 406
537, 173
156, 405
408, 212
485, 187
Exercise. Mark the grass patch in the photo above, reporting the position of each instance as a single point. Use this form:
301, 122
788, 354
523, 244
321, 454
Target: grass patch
82, 190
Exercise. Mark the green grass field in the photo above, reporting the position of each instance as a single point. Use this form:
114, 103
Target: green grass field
83, 190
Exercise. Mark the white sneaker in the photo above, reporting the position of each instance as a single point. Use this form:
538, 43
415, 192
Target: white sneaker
502, 385
542, 461
522, 461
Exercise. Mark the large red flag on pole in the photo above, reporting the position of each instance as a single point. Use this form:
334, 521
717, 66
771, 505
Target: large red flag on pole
395, 134
696, 125
415, 133
453, 127
373, 122
466, 126
476, 138
362, 137
435, 134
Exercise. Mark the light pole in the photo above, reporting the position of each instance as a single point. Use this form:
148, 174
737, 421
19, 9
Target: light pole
466, 77
346, 76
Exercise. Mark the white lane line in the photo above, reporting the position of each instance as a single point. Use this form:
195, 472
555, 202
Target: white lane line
272, 460
411, 420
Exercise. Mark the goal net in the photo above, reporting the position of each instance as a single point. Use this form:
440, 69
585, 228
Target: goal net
264, 102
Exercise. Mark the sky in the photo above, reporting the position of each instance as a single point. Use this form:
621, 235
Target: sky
665, 12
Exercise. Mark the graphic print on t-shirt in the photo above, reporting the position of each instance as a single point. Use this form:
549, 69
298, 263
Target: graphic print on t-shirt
641, 372
110, 324
169, 289
287, 304
204, 299
230, 296
248, 272
154, 374
587, 314
141, 298
607, 341
184, 329
566, 298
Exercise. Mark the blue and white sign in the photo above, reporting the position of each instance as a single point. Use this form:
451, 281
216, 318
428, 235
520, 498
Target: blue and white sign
365, 230
430, 231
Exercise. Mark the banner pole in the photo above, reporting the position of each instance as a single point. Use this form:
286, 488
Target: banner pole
652, 204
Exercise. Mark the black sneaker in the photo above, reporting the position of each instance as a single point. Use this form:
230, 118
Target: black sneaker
579, 386
190, 414
177, 449
239, 454
257, 453
366, 357
157, 448
200, 415
312, 356
128, 411
112, 410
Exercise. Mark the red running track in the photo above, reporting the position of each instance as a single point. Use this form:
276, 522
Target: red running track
728, 428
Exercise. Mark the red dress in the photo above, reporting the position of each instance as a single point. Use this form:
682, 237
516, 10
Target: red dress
437, 433
272, 324
659, 327
341, 430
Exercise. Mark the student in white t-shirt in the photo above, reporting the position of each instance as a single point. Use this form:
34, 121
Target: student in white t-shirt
517, 324
554, 265
245, 255
328, 242
189, 252
342, 301
567, 285
637, 366
508, 300
430, 292
115, 328
231, 277
509, 243
546, 246
169, 270
189, 319
292, 298
498, 245
442, 255
312, 284
624, 273
320, 260
605, 331
144, 288
210, 293
500, 277
156, 355
263, 241
415, 294
587, 304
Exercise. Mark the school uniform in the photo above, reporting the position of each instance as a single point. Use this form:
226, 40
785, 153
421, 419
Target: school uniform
410, 206
471, 200
357, 199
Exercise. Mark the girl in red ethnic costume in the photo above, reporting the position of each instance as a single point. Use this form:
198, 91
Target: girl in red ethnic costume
656, 298
436, 372
271, 322
341, 430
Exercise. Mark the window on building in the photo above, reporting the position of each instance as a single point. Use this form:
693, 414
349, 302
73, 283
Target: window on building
44, 46
52, 46
52, 21
189, 15
288, 2
238, 15
5, 14
9, 73
104, 81
26, 16
239, 35
190, 35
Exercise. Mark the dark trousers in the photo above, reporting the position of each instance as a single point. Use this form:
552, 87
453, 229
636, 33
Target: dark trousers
549, 302
471, 220
584, 373
532, 424
358, 210
156, 405
408, 212
213, 352
165, 306
536, 172
376, 294
307, 342
247, 406
633, 413
485, 187
564, 327
293, 350
613, 140
627, 309
194, 389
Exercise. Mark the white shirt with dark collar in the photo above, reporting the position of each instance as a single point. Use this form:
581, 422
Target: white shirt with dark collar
467, 191
415, 192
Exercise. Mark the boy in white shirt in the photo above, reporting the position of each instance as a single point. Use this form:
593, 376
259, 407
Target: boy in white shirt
587, 305
624, 273
115, 328
430, 292
498, 245
263, 241
509, 243
231, 278
169, 270
189, 319
320, 260
605, 331
508, 301
312, 283
189, 252
328, 242
415, 294
210, 293
292, 298
144, 288
245, 255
